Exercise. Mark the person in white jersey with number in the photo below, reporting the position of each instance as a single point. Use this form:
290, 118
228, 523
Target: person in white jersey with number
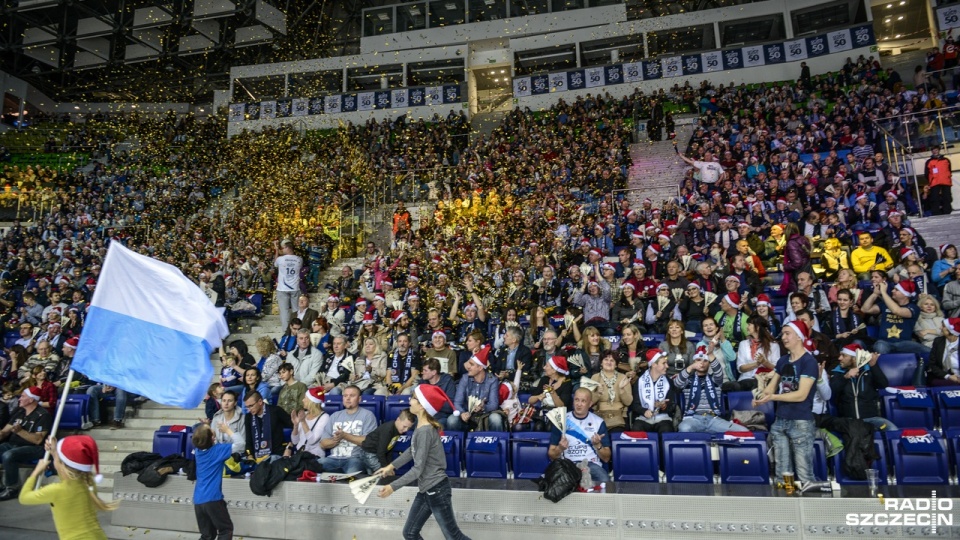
586, 437
288, 279
710, 170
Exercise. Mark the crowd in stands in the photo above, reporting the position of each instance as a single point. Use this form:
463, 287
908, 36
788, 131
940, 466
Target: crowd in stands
534, 280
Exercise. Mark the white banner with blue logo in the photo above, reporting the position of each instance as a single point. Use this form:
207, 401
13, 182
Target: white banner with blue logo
521, 87
672, 66
268, 110
796, 50
237, 110
948, 17
633, 72
434, 95
594, 76
301, 106
753, 56
398, 98
711, 61
558, 82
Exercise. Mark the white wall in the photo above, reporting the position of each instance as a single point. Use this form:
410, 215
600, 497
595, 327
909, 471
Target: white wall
327, 121
776, 72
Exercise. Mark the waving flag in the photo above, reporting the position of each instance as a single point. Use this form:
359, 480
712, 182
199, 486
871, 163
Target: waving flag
150, 331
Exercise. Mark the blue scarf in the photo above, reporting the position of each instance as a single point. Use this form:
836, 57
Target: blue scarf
712, 398
838, 322
261, 434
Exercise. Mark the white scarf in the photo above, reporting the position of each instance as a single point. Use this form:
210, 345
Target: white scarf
651, 392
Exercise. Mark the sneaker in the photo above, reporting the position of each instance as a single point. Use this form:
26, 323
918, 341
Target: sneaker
8, 493
116, 424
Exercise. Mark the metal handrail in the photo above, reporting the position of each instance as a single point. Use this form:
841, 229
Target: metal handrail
892, 145
920, 112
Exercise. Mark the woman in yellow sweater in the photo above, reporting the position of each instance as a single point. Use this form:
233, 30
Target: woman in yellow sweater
74, 498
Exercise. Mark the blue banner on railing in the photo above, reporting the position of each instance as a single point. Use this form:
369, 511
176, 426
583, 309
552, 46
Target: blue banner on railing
793, 50
341, 103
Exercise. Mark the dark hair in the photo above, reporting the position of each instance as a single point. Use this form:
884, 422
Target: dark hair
407, 415
806, 312
431, 363
254, 394
231, 393
286, 366
763, 331
202, 437
241, 347
259, 378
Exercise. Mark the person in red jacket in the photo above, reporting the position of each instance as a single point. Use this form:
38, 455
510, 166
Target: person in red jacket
939, 174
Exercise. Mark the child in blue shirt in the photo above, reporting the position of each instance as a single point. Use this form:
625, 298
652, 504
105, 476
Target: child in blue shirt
213, 518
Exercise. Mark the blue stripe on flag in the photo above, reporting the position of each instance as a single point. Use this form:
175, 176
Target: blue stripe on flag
154, 361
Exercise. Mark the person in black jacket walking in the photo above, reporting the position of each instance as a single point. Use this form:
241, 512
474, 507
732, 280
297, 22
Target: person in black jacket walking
856, 390
264, 424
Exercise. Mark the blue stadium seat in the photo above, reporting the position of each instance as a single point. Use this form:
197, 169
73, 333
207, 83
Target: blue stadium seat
10, 338
485, 454
287, 433
820, 460
333, 403
166, 442
528, 453
373, 404
919, 469
189, 449
653, 340
75, 411
686, 458
393, 405
399, 447
774, 278
636, 460
898, 367
745, 463
453, 448
952, 437
949, 415
880, 446
743, 401
905, 417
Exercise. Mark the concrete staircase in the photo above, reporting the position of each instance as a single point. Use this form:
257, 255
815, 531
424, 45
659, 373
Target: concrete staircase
938, 230
657, 169
137, 435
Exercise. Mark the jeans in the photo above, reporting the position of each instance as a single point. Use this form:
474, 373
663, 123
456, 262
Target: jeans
96, 392
286, 304
342, 465
707, 423
598, 473
881, 423
371, 462
494, 423
794, 438
904, 346
12, 456
438, 501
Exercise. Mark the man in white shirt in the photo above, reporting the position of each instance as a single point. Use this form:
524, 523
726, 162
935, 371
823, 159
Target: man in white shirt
288, 279
710, 170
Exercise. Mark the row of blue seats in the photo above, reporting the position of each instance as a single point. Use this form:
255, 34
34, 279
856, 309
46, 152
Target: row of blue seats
683, 457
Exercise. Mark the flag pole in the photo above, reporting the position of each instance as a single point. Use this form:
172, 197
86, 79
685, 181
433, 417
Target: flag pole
56, 419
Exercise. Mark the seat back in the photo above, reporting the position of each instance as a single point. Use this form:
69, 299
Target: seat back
879, 444
743, 401
166, 442
745, 463
919, 469
653, 340
952, 437
333, 403
636, 460
374, 404
399, 447
820, 460
75, 411
393, 406
485, 454
453, 449
906, 417
528, 453
898, 367
686, 459
949, 413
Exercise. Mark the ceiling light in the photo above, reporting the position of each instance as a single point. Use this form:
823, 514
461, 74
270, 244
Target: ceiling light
896, 36
503, 71
889, 6
903, 2
496, 80
900, 18
887, 20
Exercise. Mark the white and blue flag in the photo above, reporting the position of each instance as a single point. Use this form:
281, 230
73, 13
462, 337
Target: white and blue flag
150, 331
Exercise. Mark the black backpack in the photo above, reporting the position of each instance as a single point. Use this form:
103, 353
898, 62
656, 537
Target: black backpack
155, 474
560, 479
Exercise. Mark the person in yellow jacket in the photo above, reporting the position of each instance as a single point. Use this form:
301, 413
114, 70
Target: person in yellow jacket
74, 498
869, 257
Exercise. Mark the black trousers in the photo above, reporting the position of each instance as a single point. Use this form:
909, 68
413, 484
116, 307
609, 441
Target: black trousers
941, 199
214, 521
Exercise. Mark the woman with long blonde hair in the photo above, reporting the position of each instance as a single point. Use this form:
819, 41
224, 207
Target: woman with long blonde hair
74, 498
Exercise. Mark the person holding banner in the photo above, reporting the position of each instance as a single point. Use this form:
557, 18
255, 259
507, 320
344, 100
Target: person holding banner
434, 495
73, 500
586, 437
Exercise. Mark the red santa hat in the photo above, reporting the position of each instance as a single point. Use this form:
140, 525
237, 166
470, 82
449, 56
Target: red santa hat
316, 395
906, 252
943, 249
629, 284
907, 288
80, 452
952, 325
72, 342
654, 248
361, 302
438, 333
663, 236
653, 355
481, 357
413, 296
732, 298
506, 391
333, 298
33, 393
559, 363
851, 350
596, 252
800, 328
701, 353
386, 282
380, 298
639, 262
368, 318
396, 315
431, 397
636, 234
763, 300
